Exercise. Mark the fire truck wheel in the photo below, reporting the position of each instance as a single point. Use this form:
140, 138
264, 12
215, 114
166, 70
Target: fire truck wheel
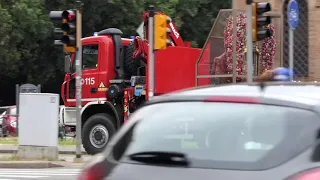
130, 64
97, 131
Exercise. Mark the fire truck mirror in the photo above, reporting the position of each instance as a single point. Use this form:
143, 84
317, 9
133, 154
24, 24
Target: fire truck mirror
67, 63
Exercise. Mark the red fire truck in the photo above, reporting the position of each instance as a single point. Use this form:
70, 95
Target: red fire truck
114, 81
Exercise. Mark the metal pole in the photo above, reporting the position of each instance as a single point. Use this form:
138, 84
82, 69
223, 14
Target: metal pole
39, 88
78, 82
291, 52
234, 47
249, 44
233, 4
17, 106
151, 62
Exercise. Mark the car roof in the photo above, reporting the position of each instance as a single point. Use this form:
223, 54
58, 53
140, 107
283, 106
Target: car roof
306, 91
300, 95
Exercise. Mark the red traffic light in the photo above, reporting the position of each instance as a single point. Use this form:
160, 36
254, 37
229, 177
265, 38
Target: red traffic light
69, 19
69, 15
67, 32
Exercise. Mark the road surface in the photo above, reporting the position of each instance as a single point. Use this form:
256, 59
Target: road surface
7, 148
40, 174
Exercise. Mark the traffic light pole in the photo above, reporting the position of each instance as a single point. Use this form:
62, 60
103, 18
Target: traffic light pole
78, 62
291, 52
151, 62
71, 39
249, 43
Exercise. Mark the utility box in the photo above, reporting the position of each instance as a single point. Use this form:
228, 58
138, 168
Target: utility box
38, 125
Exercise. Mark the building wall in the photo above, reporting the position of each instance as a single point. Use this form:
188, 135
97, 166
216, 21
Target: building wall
314, 32
314, 40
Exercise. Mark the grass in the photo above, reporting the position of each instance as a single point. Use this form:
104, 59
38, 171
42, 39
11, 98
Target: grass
13, 157
14, 141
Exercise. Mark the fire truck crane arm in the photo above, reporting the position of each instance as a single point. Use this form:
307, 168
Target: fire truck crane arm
141, 45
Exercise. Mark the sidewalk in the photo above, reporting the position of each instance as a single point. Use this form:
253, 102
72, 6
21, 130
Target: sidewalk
7, 160
62, 149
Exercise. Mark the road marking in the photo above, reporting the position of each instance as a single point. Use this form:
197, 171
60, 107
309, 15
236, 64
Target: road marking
22, 176
36, 173
39, 173
37, 170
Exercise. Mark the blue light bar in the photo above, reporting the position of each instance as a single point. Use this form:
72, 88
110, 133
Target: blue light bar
95, 34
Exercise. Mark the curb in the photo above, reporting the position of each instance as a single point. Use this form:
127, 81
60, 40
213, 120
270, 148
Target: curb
28, 165
60, 152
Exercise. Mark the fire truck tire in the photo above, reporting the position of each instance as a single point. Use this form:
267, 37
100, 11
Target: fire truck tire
130, 64
97, 131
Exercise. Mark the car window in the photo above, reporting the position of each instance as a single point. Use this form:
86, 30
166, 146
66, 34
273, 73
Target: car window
221, 134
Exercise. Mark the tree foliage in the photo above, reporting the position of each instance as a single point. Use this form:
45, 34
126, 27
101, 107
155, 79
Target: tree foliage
27, 53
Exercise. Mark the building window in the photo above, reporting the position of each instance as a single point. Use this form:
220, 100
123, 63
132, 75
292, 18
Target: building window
301, 40
90, 56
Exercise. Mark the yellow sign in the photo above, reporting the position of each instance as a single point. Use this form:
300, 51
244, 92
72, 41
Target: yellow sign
102, 87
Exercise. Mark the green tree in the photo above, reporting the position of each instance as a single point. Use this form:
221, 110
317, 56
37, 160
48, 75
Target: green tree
198, 17
27, 53
5, 31
25, 50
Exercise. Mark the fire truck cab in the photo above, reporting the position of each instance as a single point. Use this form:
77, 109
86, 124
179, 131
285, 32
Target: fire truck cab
114, 83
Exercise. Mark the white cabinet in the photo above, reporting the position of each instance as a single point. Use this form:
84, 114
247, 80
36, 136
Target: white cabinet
38, 120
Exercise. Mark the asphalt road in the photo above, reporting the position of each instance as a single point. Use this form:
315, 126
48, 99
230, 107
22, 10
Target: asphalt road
40, 174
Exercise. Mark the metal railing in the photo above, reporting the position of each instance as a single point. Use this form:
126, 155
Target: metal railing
225, 50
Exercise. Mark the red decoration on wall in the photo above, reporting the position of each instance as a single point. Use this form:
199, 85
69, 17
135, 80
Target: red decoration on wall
266, 53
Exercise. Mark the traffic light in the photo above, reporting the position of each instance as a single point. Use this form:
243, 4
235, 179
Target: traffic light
161, 31
259, 22
67, 31
56, 17
68, 27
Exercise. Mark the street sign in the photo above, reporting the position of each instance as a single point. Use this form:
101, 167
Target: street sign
293, 14
140, 30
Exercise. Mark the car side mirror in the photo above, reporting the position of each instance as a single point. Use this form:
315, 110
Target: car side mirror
67, 64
